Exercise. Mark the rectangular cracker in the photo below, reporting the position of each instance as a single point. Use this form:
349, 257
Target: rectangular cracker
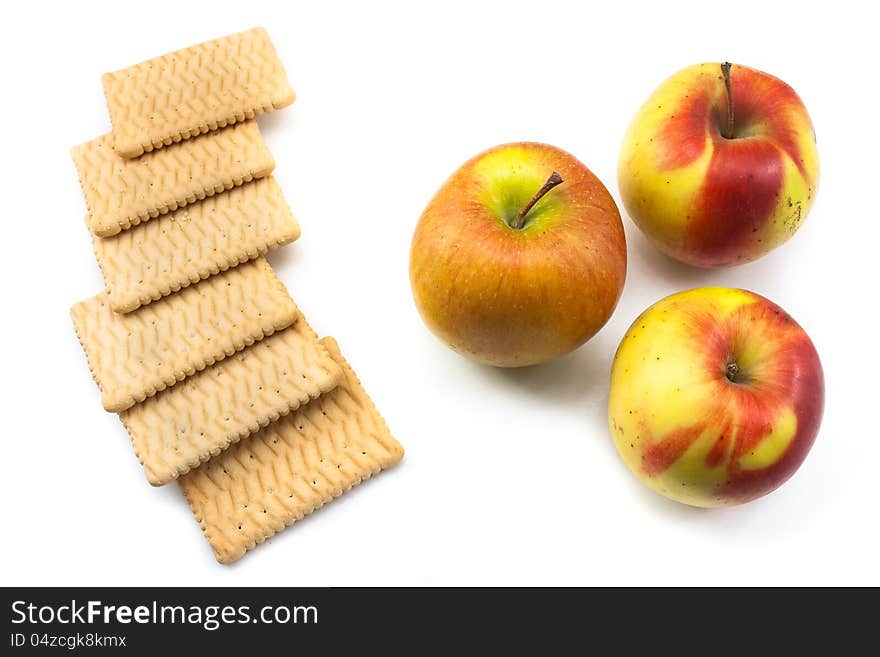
293, 466
134, 356
181, 248
199, 417
122, 193
191, 91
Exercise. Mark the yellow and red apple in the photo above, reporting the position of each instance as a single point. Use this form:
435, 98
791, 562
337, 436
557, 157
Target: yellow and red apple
520, 257
719, 166
716, 396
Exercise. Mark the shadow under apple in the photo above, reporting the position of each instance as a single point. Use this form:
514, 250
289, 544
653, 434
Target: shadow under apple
660, 267
723, 523
579, 376
676, 276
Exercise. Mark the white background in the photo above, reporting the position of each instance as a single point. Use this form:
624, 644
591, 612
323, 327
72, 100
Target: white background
510, 477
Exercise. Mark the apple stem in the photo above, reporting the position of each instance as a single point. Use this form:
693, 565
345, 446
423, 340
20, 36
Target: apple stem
732, 372
727, 133
520, 219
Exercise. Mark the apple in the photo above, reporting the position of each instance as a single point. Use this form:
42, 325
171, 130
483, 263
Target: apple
720, 165
716, 396
520, 257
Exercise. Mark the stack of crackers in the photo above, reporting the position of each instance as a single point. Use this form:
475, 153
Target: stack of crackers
195, 342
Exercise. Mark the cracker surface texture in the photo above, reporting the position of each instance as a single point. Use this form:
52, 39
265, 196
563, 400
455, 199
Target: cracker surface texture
121, 193
198, 418
178, 249
135, 355
293, 466
192, 91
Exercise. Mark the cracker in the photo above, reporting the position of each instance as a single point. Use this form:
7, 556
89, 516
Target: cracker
199, 417
133, 356
122, 193
178, 249
293, 466
191, 91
